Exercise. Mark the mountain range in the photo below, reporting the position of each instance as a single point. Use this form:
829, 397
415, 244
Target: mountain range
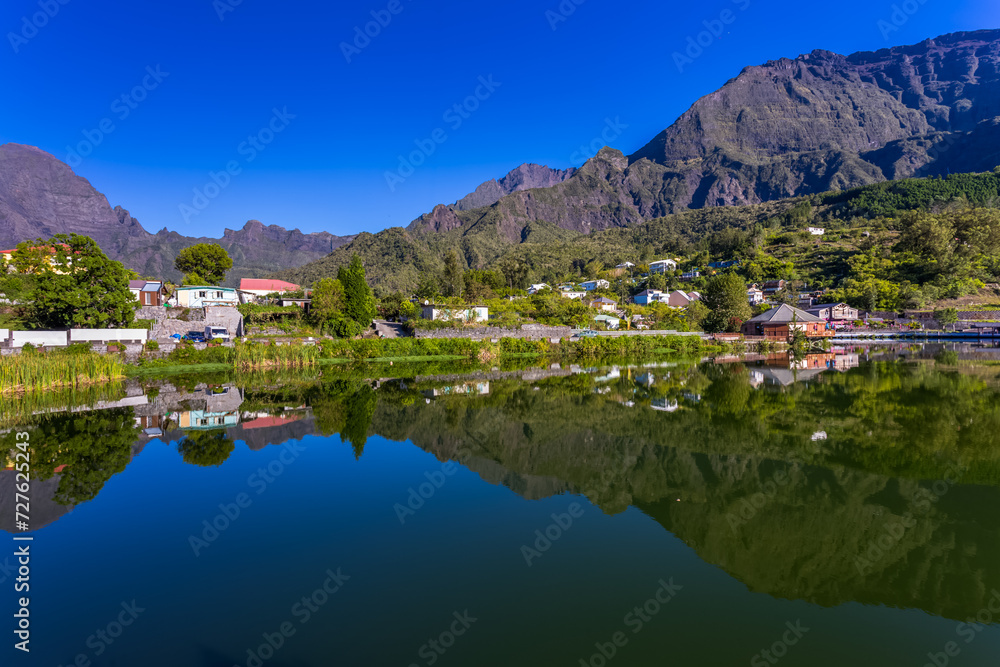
41, 196
788, 128
783, 129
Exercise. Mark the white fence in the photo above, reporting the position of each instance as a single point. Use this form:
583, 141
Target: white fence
108, 335
38, 338
18, 339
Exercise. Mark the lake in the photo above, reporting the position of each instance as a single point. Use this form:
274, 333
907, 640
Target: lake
839, 509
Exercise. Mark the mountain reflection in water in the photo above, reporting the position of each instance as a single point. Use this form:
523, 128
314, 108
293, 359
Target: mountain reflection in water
857, 475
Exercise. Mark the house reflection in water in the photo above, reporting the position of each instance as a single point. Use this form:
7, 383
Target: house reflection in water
208, 408
787, 371
202, 419
464, 389
664, 404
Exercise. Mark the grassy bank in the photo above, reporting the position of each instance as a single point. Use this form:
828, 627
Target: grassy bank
27, 372
34, 372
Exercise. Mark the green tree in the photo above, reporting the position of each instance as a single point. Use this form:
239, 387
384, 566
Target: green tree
428, 287
453, 279
359, 302
327, 301
725, 298
193, 279
206, 448
946, 316
696, 314
93, 446
207, 260
80, 287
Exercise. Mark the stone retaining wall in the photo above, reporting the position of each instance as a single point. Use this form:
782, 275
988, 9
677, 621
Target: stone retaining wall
992, 315
529, 331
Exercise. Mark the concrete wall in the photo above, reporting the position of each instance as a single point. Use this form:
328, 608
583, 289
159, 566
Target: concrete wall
40, 338
18, 339
107, 335
531, 331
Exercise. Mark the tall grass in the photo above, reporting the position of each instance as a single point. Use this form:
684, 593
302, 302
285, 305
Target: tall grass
34, 372
254, 356
16, 410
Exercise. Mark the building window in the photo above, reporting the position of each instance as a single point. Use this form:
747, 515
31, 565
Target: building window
202, 294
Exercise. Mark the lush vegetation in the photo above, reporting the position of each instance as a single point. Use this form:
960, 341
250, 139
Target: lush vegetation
889, 246
203, 264
65, 282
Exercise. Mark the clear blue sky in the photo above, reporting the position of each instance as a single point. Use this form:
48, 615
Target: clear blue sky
325, 168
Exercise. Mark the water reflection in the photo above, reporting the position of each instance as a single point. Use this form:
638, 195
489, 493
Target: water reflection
862, 474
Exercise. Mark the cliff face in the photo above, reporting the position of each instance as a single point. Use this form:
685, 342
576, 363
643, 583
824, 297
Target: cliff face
525, 177
827, 121
41, 196
787, 128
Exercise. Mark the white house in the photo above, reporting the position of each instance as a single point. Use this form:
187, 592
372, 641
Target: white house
755, 295
609, 321
430, 311
816, 231
833, 311
573, 295
625, 265
662, 266
199, 296
534, 289
591, 285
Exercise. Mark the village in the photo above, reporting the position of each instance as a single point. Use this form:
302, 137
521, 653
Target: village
629, 299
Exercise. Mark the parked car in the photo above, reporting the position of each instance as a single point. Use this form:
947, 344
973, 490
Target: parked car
588, 333
194, 337
217, 333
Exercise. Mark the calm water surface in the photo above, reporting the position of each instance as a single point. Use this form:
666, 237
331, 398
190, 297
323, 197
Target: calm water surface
844, 510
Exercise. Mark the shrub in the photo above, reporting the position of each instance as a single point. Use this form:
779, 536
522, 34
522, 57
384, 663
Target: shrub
152, 346
76, 349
